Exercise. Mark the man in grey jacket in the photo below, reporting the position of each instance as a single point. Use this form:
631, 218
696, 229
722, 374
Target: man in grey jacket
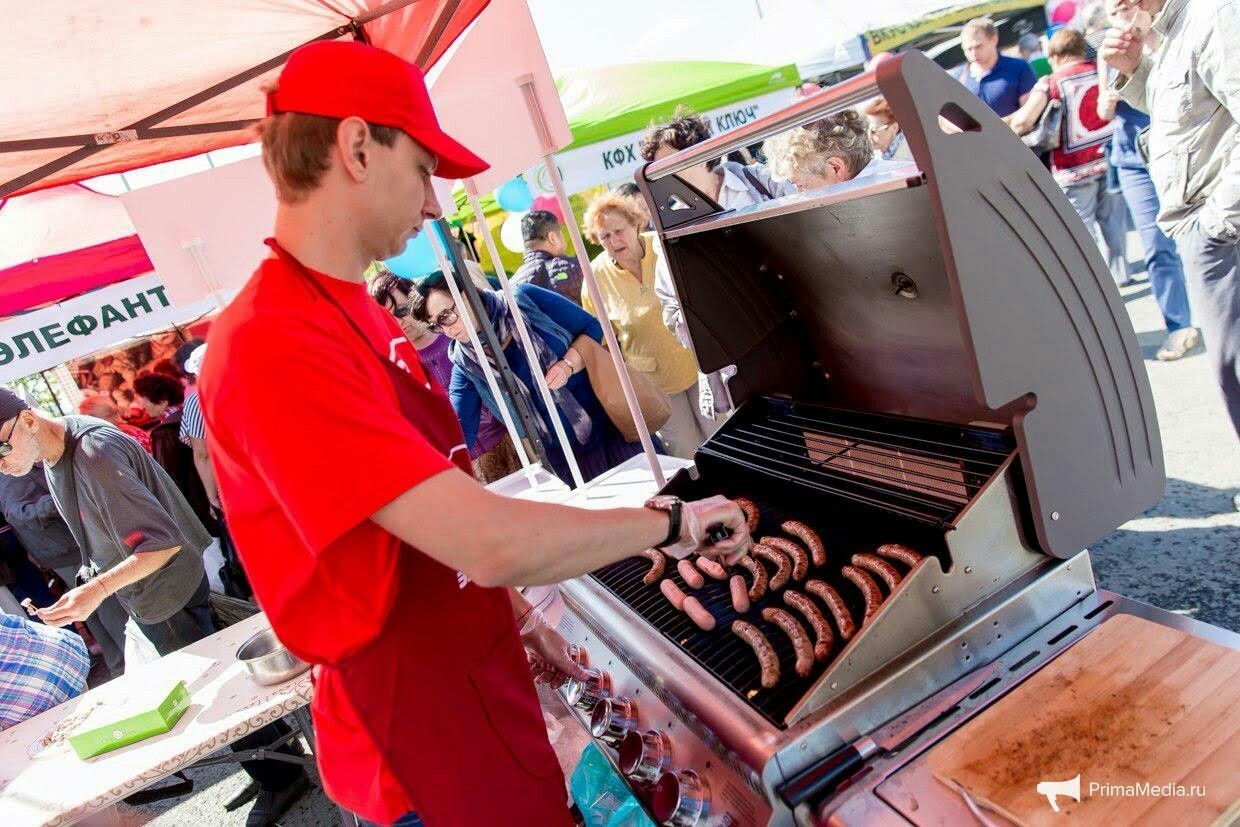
1190, 86
28, 506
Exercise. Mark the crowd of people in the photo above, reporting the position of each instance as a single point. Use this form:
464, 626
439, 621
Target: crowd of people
1150, 119
639, 297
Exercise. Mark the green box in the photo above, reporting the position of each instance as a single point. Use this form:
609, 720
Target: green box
135, 728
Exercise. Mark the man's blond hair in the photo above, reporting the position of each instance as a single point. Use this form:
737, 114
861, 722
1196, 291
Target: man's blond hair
982, 25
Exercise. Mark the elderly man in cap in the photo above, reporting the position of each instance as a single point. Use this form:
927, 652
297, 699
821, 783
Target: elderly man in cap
141, 542
373, 550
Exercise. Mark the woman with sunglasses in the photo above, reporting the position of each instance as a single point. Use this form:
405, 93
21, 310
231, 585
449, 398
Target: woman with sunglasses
885, 134
492, 454
553, 322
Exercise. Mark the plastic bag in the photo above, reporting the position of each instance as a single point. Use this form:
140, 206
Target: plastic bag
603, 798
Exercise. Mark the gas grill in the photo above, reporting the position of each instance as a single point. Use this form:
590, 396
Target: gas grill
933, 356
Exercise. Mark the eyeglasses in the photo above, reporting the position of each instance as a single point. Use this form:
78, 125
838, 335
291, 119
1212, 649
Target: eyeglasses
6, 446
447, 317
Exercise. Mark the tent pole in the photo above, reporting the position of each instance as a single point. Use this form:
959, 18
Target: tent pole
531, 354
450, 278
60, 411
630, 396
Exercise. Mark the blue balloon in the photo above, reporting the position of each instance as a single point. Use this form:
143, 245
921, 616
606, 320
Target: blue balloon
514, 196
417, 260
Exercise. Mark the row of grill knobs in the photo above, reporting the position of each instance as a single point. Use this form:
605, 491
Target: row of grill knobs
681, 799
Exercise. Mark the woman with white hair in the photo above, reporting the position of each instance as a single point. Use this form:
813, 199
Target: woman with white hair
828, 151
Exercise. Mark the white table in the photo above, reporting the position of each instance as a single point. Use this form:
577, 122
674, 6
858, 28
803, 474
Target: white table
226, 704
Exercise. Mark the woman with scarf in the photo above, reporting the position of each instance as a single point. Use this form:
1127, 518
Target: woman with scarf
553, 323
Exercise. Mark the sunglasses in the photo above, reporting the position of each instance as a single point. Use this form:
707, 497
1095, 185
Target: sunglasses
6, 446
447, 317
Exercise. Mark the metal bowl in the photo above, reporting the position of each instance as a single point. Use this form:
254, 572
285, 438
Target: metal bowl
267, 661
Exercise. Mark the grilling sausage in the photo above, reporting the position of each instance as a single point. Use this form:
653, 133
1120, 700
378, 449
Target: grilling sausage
657, 563
827, 594
759, 575
693, 579
783, 568
800, 638
823, 637
807, 535
902, 553
762, 647
751, 512
869, 590
800, 560
877, 565
740, 594
712, 569
673, 594
698, 614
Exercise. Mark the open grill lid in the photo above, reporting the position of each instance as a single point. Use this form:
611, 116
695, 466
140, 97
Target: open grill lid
965, 290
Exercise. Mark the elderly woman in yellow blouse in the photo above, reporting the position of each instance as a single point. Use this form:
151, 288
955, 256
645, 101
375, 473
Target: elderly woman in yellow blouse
625, 271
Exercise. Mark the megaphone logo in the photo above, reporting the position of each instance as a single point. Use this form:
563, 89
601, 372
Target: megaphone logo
1052, 789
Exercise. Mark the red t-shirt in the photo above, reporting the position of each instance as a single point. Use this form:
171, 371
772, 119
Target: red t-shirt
308, 441
1084, 136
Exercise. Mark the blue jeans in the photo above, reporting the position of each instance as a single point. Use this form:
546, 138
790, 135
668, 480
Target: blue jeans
1213, 268
1106, 217
1162, 260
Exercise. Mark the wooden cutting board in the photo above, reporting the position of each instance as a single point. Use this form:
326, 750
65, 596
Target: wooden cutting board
1132, 702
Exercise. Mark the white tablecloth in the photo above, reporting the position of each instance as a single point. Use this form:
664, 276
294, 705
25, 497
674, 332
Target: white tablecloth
226, 704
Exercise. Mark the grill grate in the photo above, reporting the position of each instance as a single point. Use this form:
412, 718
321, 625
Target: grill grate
924, 471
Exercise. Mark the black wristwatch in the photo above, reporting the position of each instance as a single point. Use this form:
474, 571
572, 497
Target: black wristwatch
672, 505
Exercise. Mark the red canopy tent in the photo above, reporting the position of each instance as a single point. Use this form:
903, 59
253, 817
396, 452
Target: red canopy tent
125, 85
62, 242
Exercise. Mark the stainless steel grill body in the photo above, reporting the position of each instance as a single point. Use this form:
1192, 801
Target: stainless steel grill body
936, 357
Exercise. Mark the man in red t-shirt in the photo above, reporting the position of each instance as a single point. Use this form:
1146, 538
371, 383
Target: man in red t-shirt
373, 551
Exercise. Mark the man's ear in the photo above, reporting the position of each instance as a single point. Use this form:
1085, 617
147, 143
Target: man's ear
839, 165
354, 145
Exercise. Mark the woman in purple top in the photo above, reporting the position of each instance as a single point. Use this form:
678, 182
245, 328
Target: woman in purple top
493, 454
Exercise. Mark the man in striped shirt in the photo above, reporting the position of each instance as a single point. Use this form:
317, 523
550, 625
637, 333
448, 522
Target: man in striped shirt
40, 667
193, 431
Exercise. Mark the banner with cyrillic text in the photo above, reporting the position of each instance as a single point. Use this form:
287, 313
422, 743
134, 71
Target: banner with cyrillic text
617, 159
55, 334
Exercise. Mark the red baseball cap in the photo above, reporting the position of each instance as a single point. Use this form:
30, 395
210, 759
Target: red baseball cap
341, 79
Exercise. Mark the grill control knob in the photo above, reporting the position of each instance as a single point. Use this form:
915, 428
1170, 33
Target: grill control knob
612, 719
680, 799
645, 755
584, 694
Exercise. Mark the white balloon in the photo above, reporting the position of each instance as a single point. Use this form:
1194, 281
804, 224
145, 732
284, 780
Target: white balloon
510, 233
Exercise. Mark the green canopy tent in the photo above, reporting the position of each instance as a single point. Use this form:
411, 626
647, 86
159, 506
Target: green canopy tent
610, 108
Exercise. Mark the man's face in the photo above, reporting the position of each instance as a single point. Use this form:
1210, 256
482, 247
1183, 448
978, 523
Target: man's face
555, 243
25, 451
978, 48
399, 196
